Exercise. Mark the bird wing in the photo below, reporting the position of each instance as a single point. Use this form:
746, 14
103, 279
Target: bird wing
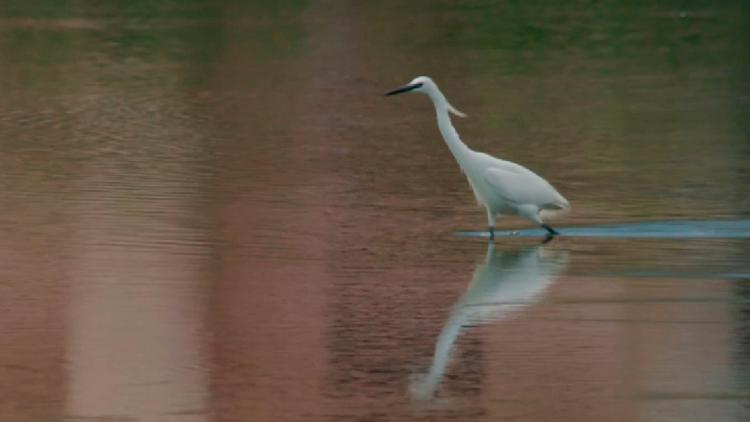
519, 185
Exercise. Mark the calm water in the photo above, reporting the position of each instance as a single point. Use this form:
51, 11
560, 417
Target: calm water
211, 213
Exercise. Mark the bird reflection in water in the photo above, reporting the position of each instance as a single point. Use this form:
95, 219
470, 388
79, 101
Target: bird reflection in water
503, 284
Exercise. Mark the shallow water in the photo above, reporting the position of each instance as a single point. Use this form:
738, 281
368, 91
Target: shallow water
211, 213
679, 229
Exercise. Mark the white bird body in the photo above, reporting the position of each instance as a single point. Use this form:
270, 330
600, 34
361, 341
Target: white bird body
506, 187
502, 187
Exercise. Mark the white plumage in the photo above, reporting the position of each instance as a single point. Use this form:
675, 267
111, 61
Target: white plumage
502, 187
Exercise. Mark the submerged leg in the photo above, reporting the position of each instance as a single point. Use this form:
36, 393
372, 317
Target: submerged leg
550, 230
531, 212
491, 221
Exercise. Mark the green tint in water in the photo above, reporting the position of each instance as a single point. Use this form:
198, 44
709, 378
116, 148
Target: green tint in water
210, 212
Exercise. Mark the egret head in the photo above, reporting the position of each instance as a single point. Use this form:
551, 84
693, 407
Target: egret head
421, 84
426, 85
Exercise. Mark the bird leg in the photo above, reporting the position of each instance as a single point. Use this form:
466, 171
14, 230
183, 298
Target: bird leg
550, 230
491, 221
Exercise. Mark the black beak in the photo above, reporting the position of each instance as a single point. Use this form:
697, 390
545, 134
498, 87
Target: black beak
405, 88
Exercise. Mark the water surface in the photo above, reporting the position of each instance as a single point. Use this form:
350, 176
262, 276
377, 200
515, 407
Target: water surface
211, 213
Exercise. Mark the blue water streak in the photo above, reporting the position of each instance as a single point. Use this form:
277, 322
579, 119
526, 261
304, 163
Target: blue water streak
678, 229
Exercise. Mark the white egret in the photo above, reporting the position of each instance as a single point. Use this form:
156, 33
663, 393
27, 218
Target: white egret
502, 187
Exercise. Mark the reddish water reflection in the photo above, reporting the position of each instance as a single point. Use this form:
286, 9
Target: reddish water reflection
212, 214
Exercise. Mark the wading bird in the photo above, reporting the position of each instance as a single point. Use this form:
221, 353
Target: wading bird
502, 187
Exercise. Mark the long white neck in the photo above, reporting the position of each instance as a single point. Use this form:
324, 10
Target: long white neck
458, 149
